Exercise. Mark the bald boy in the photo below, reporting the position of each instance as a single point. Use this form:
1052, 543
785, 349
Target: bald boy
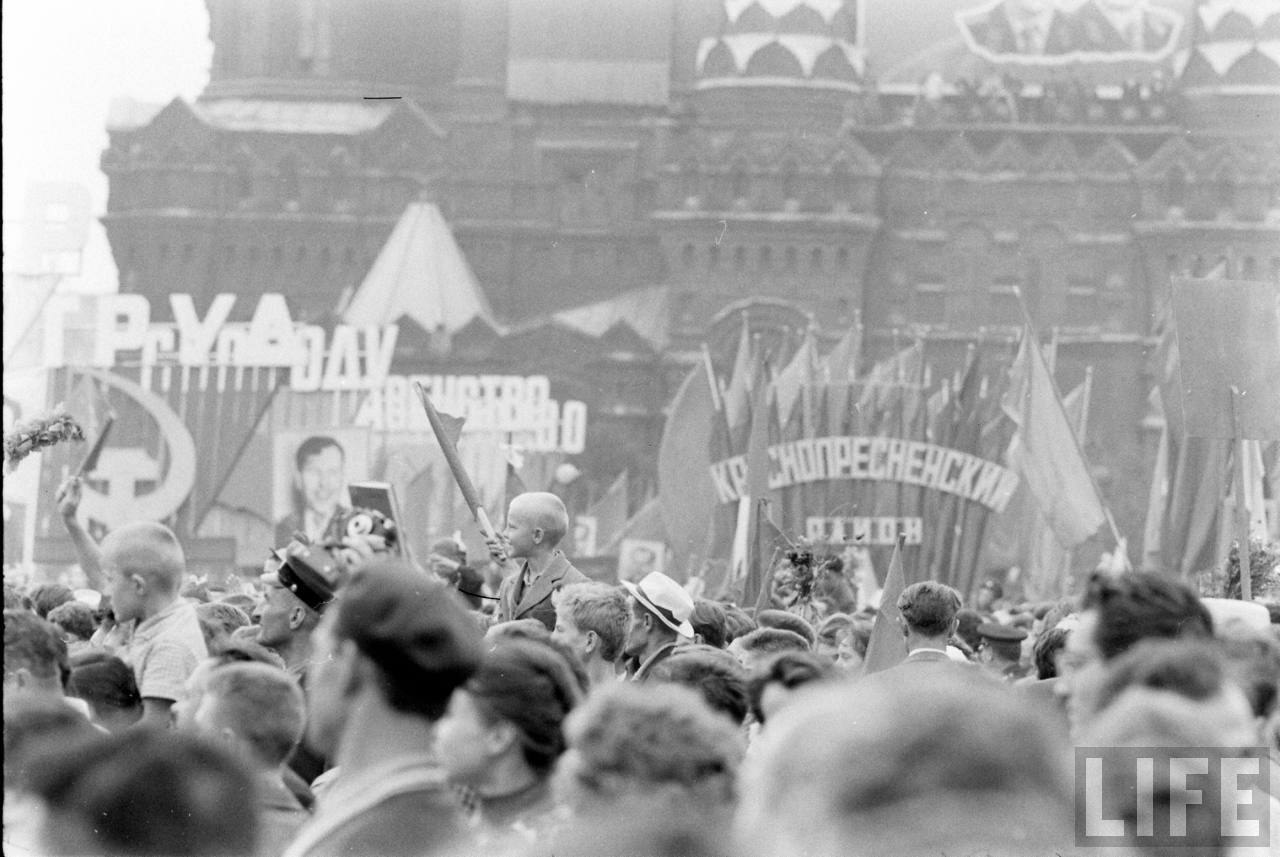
535, 567
143, 566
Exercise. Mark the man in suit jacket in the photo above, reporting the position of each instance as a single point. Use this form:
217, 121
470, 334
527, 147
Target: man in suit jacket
928, 620
389, 654
1019, 28
1126, 26
536, 522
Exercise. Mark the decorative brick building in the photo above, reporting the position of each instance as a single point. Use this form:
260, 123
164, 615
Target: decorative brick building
617, 174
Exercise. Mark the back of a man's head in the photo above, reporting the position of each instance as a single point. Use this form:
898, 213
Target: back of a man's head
1194, 669
105, 682
147, 549
789, 670
737, 623
929, 608
415, 632
1142, 605
74, 619
787, 622
923, 768
148, 793
711, 672
710, 622
218, 620
47, 596
772, 641
629, 741
261, 705
34, 651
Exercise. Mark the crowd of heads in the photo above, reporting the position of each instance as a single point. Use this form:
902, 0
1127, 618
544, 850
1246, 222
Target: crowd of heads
392, 709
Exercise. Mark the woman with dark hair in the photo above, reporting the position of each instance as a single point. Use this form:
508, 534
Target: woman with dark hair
501, 735
108, 685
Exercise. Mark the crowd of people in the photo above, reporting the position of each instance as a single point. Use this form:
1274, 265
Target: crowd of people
351, 702
1062, 99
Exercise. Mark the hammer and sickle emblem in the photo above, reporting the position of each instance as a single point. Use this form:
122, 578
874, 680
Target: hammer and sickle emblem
120, 507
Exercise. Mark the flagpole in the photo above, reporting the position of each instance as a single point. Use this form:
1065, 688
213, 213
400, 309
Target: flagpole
455, 466
1034, 344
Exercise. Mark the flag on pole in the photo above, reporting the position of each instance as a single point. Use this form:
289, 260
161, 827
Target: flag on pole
1050, 563
737, 397
887, 646
795, 384
757, 484
841, 365
1046, 453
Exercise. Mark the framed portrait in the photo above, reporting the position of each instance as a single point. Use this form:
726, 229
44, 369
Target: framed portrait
310, 475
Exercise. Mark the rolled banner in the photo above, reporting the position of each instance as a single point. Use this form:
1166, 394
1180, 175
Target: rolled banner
450, 449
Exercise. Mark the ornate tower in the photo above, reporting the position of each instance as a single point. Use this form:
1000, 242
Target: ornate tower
781, 61
1232, 74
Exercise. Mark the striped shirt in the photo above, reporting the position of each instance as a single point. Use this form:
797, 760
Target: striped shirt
164, 650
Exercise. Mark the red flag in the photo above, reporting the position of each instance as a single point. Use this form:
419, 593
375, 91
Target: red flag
1046, 452
887, 646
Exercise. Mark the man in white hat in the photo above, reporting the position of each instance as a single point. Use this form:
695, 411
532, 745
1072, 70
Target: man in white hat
660, 611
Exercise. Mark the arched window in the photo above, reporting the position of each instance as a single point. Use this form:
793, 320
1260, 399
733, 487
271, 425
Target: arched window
816, 262
739, 258
713, 257
766, 258
790, 260
739, 184
842, 259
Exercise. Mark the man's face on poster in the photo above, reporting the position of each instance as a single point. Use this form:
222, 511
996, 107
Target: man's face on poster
321, 480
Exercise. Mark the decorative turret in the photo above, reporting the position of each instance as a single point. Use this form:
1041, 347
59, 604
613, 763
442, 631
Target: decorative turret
796, 59
1232, 73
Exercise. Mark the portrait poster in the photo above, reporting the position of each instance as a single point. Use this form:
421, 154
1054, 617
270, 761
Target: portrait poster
304, 499
1094, 42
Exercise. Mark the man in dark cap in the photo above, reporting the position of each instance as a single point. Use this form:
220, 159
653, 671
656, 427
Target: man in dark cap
388, 655
297, 594
1001, 650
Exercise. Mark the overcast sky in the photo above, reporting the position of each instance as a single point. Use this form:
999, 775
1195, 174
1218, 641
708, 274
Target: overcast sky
63, 63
